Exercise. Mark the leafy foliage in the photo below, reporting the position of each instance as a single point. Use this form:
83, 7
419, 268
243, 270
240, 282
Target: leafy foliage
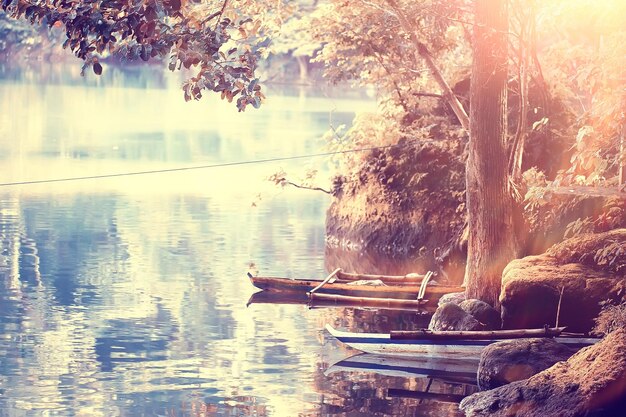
15, 34
578, 227
296, 35
363, 42
605, 251
584, 66
220, 40
611, 318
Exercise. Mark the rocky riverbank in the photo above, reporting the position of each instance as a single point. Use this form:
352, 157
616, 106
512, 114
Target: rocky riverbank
591, 382
408, 205
540, 377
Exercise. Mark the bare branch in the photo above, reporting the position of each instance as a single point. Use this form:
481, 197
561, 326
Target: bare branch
306, 187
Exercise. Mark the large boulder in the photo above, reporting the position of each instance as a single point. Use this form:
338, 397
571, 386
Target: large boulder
482, 312
453, 297
452, 317
588, 269
591, 381
512, 360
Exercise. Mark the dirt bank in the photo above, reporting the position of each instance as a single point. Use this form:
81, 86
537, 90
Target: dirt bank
406, 203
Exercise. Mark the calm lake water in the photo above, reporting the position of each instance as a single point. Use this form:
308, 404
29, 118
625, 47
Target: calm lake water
127, 296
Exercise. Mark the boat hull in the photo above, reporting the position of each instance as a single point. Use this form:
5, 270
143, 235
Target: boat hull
406, 292
382, 344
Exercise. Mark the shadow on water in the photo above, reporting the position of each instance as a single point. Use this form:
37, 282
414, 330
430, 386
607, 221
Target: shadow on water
127, 296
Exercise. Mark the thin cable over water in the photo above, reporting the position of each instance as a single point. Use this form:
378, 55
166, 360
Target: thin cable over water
190, 168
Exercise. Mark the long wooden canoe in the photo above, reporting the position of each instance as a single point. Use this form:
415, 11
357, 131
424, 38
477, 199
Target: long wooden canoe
450, 347
408, 291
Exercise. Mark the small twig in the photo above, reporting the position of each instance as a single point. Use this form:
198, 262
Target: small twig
220, 14
305, 187
558, 308
210, 17
433, 95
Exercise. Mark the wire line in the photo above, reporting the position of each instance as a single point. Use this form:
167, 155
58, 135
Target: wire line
190, 168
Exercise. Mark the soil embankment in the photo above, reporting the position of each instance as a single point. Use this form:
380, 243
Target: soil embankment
406, 203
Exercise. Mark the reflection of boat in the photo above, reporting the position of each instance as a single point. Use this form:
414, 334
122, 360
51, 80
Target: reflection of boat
272, 297
453, 370
445, 344
276, 297
425, 395
353, 289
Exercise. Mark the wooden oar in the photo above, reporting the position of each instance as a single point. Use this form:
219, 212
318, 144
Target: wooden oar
328, 278
476, 335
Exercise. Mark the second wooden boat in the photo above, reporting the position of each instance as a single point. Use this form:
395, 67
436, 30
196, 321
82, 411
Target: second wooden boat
444, 344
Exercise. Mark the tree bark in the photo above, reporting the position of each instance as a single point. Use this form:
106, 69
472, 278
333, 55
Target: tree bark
622, 155
622, 147
492, 242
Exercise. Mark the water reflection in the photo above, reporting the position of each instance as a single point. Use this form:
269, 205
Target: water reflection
127, 296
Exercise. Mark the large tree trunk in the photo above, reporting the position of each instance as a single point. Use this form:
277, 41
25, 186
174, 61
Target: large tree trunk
622, 148
492, 242
622, 156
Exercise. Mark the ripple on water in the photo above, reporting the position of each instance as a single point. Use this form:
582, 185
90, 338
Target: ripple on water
128, 297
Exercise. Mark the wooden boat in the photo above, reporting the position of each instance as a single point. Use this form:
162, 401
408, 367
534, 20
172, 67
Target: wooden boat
446, 344
404, 291
452, 370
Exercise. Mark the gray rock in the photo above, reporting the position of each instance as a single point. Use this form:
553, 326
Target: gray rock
483, 312
452, 317
513, 360
591, 381
453, 297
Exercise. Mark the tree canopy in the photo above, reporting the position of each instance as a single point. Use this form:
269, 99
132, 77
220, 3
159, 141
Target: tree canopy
222, 41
